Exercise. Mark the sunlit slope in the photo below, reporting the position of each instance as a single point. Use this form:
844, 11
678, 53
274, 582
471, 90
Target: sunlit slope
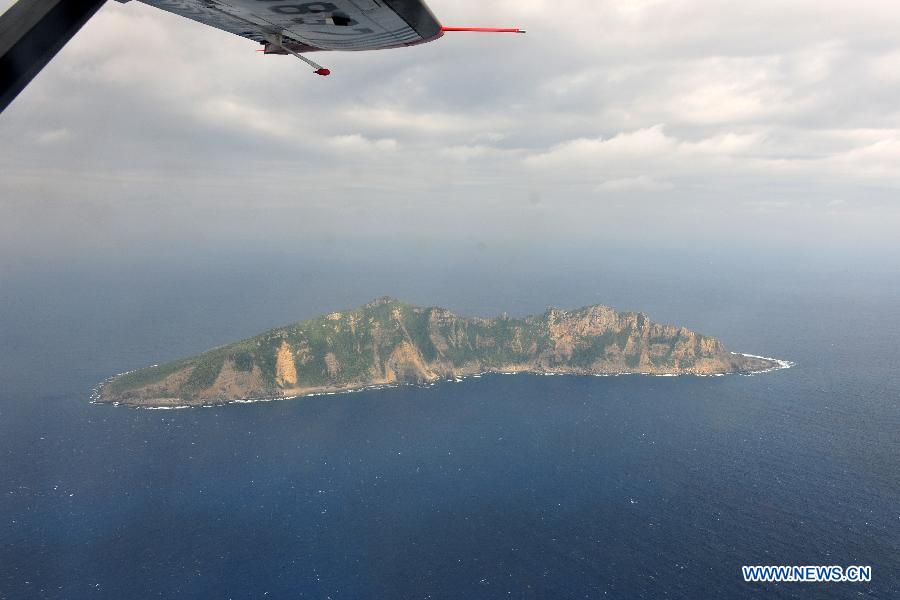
388, 341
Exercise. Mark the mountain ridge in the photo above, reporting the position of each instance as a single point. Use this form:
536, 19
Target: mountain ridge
387, 341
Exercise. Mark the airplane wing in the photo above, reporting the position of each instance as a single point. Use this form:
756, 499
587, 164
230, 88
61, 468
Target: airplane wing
293, 26
33, 31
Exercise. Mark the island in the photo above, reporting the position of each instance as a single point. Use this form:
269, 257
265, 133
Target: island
389, 342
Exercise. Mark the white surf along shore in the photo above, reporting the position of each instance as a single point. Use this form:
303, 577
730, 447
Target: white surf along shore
779, 365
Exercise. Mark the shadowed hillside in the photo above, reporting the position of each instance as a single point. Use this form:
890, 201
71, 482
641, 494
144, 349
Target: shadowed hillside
388, 341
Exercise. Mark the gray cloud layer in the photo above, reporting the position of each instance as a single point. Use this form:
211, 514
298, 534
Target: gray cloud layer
764, 119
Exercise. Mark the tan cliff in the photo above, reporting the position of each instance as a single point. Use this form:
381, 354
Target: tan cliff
390, 342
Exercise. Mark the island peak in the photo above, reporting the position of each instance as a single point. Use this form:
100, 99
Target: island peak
387, 341
381, 301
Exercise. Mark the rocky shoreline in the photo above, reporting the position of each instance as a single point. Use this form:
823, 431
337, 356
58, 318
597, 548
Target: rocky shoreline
388, 343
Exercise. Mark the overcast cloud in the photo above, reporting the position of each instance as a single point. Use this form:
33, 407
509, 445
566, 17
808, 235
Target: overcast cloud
620, 115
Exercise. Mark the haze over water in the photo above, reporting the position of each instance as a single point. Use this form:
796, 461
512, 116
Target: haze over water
502, 486
165, 189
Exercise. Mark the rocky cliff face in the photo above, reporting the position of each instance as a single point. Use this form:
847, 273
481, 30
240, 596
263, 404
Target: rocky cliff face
388, 341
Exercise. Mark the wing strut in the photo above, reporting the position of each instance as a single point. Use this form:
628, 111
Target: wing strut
31, 33
276, 40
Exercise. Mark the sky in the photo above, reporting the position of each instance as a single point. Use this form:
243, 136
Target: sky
764, 124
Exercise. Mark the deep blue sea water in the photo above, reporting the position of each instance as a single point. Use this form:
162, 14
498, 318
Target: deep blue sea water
499, 487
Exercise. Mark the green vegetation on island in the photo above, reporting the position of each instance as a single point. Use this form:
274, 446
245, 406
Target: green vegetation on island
388, 341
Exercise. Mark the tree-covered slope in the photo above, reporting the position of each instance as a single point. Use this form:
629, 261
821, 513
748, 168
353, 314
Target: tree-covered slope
388, 341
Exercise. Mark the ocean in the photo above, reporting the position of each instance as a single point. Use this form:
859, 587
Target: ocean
515, 486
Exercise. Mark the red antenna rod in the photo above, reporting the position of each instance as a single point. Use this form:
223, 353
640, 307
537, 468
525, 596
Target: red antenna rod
485, 29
